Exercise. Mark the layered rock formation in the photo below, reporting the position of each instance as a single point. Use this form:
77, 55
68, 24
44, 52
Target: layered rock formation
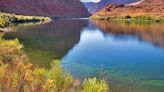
153, 8
51, 8
94, 7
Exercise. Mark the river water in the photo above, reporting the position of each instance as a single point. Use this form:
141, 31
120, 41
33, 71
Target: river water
129, 55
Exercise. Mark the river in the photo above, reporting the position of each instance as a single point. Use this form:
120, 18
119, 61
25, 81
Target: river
129, 55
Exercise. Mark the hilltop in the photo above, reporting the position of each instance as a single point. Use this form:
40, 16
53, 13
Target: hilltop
145, 9
94, 7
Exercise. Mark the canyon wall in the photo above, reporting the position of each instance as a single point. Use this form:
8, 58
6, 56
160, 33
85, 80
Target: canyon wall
151, 8
94, 7
51, 8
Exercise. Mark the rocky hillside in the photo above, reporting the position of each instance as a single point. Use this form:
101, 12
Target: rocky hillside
144, 9
94, 7
51, 8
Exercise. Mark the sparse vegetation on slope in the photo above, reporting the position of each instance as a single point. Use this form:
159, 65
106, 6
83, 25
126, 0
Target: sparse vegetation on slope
147, 10
131, 18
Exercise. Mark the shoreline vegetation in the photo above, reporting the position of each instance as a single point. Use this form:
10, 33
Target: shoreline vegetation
19, 75
7, 20
137, 18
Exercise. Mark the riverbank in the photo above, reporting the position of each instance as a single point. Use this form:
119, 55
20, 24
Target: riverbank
136, 18
145, 10
19, 75
7, 20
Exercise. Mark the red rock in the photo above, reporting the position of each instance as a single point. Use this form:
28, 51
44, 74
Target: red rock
52, 8
145, 7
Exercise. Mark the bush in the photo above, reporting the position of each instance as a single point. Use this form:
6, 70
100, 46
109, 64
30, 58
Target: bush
95, 85
127, 17
4, 21
18, 75
7, 19
11, 52
25, 78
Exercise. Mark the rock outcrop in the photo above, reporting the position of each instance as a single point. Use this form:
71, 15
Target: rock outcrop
152, 8
51, 8
94, 7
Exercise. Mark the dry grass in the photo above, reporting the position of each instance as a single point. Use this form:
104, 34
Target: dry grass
18, 75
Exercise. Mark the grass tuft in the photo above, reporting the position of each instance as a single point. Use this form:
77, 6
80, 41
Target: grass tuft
95, 85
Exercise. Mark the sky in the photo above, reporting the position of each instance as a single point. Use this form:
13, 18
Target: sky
90, 0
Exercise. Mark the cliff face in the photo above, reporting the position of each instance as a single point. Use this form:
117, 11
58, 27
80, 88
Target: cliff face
94, 7
51, 8
154, 8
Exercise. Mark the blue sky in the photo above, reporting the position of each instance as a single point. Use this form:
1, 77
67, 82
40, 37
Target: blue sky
90, 0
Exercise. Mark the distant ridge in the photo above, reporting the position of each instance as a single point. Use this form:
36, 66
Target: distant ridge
144, 9
51, 8
94, 7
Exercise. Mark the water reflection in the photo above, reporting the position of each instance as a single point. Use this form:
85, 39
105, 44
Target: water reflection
150, 32
131, 54
55, 39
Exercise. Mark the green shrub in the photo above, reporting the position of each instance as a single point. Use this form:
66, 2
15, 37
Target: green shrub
95, 85
7, 19
4, 22
127, 17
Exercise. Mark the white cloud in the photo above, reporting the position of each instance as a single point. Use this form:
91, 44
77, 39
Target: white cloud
90, 1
